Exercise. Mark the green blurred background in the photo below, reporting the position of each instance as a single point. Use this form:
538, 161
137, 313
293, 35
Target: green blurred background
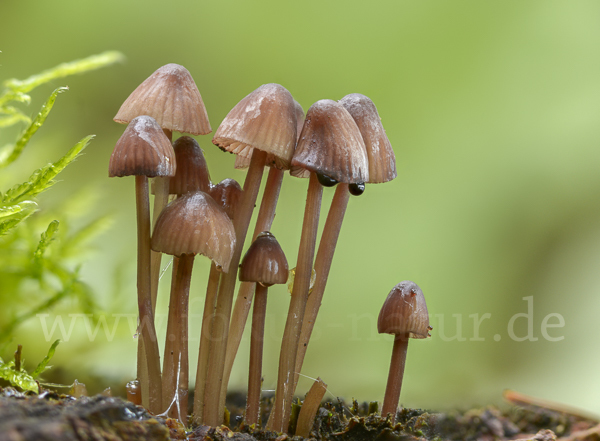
492, 109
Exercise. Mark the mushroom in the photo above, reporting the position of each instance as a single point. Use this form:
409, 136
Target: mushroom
382, 168
403, 314
263, 265
264, 221
226, 194
144, 151
192, 224
331, 148
261, 123
192, 175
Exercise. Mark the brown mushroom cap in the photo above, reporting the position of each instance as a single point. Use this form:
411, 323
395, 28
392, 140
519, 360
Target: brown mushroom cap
228, 195
264, 262
195, 224
266, 120
192, 171
241, 162
171, 97
404, 312
382, 161
142, 150
331, 144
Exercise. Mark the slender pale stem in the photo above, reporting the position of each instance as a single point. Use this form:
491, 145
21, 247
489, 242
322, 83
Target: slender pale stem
213, 411
293, 325
205, 337
256, 354
394, 383
243, 301
310, 407
329, 238
176, 365
148, 332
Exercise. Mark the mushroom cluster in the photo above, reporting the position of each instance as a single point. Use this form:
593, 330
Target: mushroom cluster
339, 143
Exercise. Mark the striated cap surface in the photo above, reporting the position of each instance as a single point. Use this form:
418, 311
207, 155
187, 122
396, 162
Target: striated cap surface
142, 150
242, 162
228, 195
266, 120
331, 144
195, 224
171, 97
382, 161
264, 262
192, 170
404, 312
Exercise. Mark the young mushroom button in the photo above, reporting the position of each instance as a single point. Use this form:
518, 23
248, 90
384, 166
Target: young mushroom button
404, 314
265, 264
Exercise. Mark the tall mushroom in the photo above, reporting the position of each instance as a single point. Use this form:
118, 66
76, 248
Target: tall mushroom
332, 149
192, 175
144, 151
403, 314
263, 265
264, 221
382, 168
261, 123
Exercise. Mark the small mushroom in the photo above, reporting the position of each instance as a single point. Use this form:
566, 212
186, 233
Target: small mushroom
266, 265
227, 194
192, 224
403, 314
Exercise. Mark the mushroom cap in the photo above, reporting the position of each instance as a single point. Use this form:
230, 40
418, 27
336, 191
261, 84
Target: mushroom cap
382, 161
171, 97
264, 262
331, 144
143, 150
192, 171
227, 194
266, 120
242, 162
195, 224
404, 312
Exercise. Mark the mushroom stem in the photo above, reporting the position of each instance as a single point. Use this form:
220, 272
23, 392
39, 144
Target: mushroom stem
161, 198
205, 338
310, 407
213, 411
176, 365
256, 354
266, 214
329, 238
146, 316
394, 383
293, 325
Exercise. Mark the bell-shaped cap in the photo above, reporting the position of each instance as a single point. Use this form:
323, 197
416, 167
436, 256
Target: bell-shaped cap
404, 312
264, 262
195, 224
142, 150
331, 144
241, 162
192, 171
227, 194
171, 97
382, 161
266, 120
